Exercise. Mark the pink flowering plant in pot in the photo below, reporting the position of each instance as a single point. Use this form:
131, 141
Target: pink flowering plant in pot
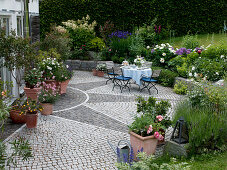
49, 93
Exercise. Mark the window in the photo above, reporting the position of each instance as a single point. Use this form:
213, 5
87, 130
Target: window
4, 23
19, 26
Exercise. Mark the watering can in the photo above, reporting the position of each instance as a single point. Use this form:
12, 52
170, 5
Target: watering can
122, 152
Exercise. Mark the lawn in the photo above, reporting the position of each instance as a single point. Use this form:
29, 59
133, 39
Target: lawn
204, 39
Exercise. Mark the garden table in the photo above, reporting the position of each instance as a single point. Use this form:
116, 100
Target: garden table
136, 73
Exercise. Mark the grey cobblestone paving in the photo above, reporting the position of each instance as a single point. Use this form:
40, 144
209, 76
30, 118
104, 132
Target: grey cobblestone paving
75, 136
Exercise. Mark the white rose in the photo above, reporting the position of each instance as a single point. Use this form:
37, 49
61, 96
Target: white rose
148, 47
217, 73
67, 66
156, 46
49, 68
190, 74
193, 68
161, 48
163, 54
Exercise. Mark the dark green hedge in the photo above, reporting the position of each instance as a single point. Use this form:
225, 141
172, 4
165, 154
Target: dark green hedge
197, 16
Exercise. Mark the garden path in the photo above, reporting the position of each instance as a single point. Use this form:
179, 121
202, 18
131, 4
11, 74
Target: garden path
75, 135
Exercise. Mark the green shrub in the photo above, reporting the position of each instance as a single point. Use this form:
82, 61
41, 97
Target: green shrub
58, 40
96, 44
215, 51
167, 78
180, 87
176, 61
182, 71
81, 31
190, 42
136, 45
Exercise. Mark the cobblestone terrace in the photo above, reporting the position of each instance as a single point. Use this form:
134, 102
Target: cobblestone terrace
75, 135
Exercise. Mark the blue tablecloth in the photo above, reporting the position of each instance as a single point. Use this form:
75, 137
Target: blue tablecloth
136, 74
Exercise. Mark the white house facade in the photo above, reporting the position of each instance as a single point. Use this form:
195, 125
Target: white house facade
12, 18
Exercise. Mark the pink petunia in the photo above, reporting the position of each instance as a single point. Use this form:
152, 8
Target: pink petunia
159, 117
160, 137
149, 129
156, 135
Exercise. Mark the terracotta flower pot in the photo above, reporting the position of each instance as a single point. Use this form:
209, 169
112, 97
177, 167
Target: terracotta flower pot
63, 86
32, 93
148, 143
31, 120
100, 73
94, 71
47, 108
16, 117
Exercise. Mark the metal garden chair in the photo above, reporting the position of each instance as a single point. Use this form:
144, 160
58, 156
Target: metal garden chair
122, 81
148, 82
111, 73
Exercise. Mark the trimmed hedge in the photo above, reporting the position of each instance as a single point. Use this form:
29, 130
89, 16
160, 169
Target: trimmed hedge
197, 16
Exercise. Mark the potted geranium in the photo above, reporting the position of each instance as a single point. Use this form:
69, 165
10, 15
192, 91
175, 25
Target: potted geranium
149, 125
33, 79
49, 94
100, 69
63, 77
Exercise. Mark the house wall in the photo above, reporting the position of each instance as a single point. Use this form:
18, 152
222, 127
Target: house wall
13, 10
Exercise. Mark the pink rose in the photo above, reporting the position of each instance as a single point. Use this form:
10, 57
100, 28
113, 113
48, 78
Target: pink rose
156, 135
159, 117
149, 129
109, 50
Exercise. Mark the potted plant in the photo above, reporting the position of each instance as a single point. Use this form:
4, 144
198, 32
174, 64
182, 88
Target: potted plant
100, 69
33, 79
17, 112
63, 77
31, 107
149, 125
50, 66
49, 94
94, 72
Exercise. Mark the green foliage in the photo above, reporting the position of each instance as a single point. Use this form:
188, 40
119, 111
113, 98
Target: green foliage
96, 44
58, 40
180, 87
33, 78
190, 42
176, 61
183, 70
215, 52
150, 162
136, 45
207, 130
167, 78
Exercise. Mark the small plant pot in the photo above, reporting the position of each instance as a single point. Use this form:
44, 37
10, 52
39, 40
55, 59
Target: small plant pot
16, 117
148, 143
32, 93
63, 86
31, 120
47, 109
94, 71
100, 73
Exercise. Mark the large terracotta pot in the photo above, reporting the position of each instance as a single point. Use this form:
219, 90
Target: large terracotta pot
94, 71
16, 117
100, 73
148, 143
47, 108
31, 120
63, 86
32, 93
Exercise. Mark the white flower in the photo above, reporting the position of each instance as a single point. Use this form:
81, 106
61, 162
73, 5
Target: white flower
163, 45
222, 56
161, 48
148, 47
49, 68
156, 46
217, 73
193, 68
190, 74
163, 54
67, 66
162, 60
195, 75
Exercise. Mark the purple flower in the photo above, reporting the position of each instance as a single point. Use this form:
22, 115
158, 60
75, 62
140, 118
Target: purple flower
152, 50
155, 28
183, 51
159, 29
